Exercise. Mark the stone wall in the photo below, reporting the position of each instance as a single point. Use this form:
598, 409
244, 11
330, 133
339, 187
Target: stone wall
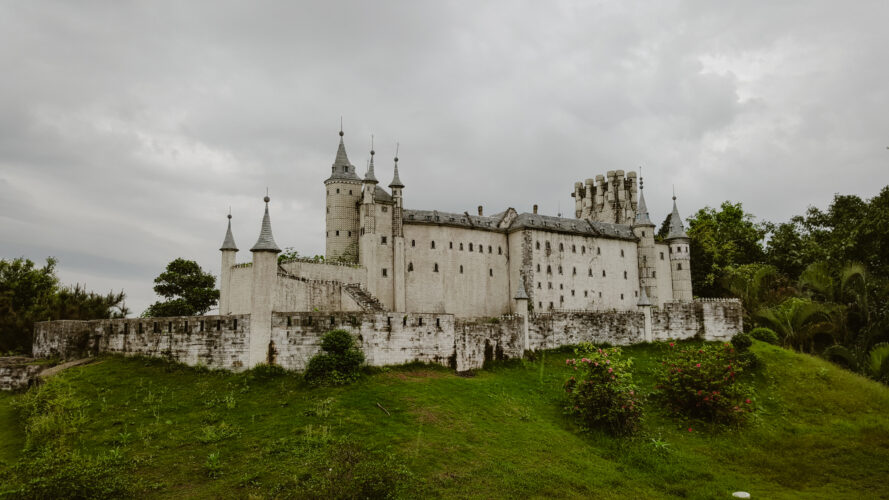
212, 341
709, 319
16, 373
551, 330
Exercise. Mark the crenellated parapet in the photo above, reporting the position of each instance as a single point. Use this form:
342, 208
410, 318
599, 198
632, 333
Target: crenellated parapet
607, 198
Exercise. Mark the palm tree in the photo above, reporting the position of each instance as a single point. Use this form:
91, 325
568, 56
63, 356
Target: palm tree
798, 321
873, 363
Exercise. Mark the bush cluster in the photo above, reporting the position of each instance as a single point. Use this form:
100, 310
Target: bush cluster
602, 394
764, 334
339, 363
702, 382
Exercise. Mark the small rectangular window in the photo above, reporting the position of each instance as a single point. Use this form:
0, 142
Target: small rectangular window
382, 240
662, 255
289, 321
218, 325
235, 324
385, 272
169, 326
202, 326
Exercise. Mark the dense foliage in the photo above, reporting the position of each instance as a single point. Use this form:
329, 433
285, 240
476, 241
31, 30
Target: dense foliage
29, 294
188, 290
339, 361
602, 394
703, 383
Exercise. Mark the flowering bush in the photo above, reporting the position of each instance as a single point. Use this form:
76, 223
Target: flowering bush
702, 382
601, 393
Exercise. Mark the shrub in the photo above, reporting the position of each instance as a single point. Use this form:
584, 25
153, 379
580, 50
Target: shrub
742, 342
764, 334
602, 393
703, 383
339, 362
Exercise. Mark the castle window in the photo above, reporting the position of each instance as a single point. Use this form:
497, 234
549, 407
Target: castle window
289, 320
538, 245
490, 272
643, 234
186, 327
636, 293
603, 273
432, 244
202, 326
678, 267
540, 304
234, 324
547, 246
538, 268
438, 322
218, 325
590, 272
585, 293
350, 234
621, 252
382, 240
169, 326
654, 274
490, 250
404, 321
410, 267
662, 255
154, 327
549, 270
572, 293
621, 296
499, 250
389, 321
560, 269
644, 260
461, 268
350, 191
550, 305
451, 245
337, 233
561, 299
461, 247
481, 248
338, 191
413, 243
600, 295
598, 250
385, 209
582, 250
470, 247
420, 321
561, 247
549, 285
574, 271
625, 275
539, 285
561, 286
435, 268
328, 209
385, 272
573, 248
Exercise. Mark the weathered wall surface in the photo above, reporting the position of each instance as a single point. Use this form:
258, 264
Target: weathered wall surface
386, 338
240, 287
213, 341
299, 294
326, 272
710, 319
16, 373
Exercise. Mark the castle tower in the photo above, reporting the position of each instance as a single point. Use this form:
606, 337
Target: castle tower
343, 196
680, 260
610, 198
368, 239
398, 268
265, 277
644, 229
229, 252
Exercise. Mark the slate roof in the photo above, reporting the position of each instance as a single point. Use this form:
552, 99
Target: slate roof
266, 242
381, 196
229, 242
396, 182
522, 221
642, 218
342, 169
676, 228
370, 177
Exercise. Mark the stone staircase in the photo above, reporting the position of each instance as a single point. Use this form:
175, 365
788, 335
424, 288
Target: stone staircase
364, 298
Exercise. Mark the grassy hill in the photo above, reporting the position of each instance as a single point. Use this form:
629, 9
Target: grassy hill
150, 429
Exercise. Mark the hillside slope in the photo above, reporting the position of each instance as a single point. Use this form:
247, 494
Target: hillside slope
821, 432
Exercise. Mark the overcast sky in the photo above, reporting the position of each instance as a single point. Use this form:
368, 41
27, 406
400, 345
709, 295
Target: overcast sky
127, 129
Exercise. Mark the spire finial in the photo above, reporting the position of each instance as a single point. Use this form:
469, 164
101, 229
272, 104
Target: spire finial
372, 152
229, 211
674, 192
341, 126
267, 199
641, 187
396, 153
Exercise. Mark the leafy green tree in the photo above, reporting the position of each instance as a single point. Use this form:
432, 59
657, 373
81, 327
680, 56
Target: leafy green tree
799, 321
29, 294
188, 290
721, 239
339, 361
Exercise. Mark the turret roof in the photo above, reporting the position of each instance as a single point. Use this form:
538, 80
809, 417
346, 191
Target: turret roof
266, 242
396, 182
342, 168
370, 177
676, 228
642, 218
229, 242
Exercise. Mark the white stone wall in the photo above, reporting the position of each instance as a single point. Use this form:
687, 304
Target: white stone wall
312, 295
377, 255
240, 288
481, 289
709, 319
664, 274
579, 256
342, 217
327, 272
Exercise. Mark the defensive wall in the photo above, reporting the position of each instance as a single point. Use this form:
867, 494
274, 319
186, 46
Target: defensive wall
386, 338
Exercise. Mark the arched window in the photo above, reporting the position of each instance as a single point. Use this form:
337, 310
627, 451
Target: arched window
621, 252
582, 250
432, 244
590, 272
603, 273
547, 246
490, 250
410, 267
461, 268
560, 269
481, 248
470, 247
574, 248
549, 269
435, 268
538, 245
678, 266
538, 268
451, 245
598, 250
499, 250
574, 271
461, 247
413, 243
561, 247
625, 275
490, 272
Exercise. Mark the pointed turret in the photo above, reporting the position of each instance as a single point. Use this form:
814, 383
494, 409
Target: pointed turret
676, 228
370, 177
642, 218
229, 242
266, 242
342, 168
396, 182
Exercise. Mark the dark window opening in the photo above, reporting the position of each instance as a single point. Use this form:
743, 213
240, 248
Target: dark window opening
560, 269
499, 250
438, 322
574, 271
678, 267
413, 243
603, 273
289, 321
410, 266
154, 327
470, 247
451, 245
621, 296
432, 244
404, 321
598, 250
573, 248
561, 247
461, 268
218, 325
202, 326
538, 245
435, 268
235, 324
461, 247
420, 321
625, 275
385, 272
549, 269
382, 240
490, 272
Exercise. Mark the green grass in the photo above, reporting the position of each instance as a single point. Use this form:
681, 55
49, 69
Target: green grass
820, 432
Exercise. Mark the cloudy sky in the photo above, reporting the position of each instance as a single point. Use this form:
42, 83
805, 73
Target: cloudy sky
127, 129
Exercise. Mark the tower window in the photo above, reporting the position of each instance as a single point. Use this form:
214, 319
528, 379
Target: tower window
499, 250
654, 274
538, 245
625, 275
385, 209
560, 269
643, 234
621, 252
451, 245
561, 286
349, 233
582, 250
603, 273
561, 247
432, 244
573, 248
461, 247
470, 247
413, 243
490, 250
549, 269
540, 304
549, 285
539, 285
621, 296
636, 293
572, 293
481, 248
337, 190
490, 272
410, 267
662, 255
585, 293
561, 299
598, 250
678, 266
337, 233
550, 305
574, 271
600, 295
382, 240
547, 246
435, 268
350, 191
385, 272
590, 272
461, 268
538, 268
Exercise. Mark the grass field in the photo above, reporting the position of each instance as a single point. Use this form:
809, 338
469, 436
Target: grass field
134, 427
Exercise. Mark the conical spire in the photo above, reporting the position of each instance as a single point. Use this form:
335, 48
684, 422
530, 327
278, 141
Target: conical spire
396, 182
520, 293
370, 177
229, 242
643, 298
642, 218
342, 168
676, 228
266, 242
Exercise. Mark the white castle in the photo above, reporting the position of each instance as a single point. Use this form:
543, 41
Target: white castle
430, 286
381, 256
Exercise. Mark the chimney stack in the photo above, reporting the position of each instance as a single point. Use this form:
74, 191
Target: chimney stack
535, 209
480, 210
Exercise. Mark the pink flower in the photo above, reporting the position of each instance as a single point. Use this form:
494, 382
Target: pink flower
671, 345
607, 361
610, 370
689, 429
747, 401
698, 365
567, 361
596, 363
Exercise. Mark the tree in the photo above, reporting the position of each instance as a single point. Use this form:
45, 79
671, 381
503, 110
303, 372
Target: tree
799, 321
29, 294
188, 289
721, 239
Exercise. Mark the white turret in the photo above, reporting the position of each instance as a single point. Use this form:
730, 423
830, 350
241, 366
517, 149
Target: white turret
343, 195
229, 252
680, 259
265, 277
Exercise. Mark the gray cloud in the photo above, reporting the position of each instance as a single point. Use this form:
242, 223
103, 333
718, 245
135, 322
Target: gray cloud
128, 129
